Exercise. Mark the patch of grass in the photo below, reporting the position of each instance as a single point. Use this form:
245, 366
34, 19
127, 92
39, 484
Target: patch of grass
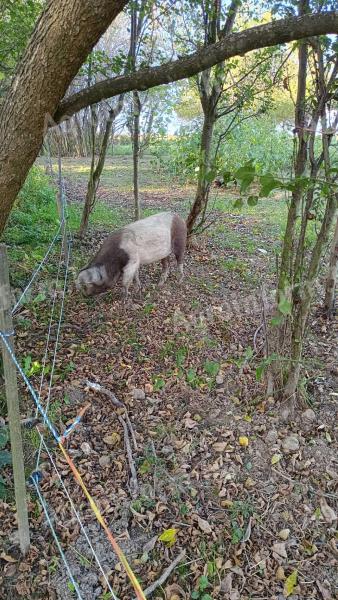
103, 216
236, 265
31, 226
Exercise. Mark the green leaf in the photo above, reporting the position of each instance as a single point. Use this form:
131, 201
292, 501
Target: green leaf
210, 175
3, 437
284, 305
246, 175
3, 490
226, 176
211, 368
277, 320
268, 183
252, 200
290, 583
238, 203
275, 459
168, 536
259, 372
203, 583
5, 458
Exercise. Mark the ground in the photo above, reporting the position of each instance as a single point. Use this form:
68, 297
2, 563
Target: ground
248, 485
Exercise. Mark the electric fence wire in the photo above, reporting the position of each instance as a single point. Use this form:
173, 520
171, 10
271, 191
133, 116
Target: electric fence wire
37, 270
83, 529
55, 346
33, 479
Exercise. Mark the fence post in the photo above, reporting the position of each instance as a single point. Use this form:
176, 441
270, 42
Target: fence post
11, 387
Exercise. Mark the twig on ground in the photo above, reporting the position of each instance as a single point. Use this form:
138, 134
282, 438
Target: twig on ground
134, 488
257, 350
102, 390
131, 430
160, 581
29, 423
126, 424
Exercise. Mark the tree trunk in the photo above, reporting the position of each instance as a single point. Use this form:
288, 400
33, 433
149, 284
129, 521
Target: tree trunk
203, 186
331, 280
136, 153
286, 274
64, 35
96, 172
303, 308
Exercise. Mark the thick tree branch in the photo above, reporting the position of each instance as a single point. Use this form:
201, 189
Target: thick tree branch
271, 34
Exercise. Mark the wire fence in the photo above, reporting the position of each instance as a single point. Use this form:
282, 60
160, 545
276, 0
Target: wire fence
55, 320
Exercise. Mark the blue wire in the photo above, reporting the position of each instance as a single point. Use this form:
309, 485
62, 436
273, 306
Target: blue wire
4, 336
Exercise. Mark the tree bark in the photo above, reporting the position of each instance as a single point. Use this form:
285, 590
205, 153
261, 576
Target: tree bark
210, 90
64, 35
96, 172
331, 280
203, 185
270, 34
136, 153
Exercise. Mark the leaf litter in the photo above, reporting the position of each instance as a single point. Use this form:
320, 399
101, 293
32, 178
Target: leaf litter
250, 498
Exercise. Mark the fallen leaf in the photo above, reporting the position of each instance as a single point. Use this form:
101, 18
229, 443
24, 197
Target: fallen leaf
150, 544
290, 583
86, 448
327, 512
168, 536
247, 534
275, 459
280, 575
243, 441
325, 589
112, 439
284, 534
204, 525
279, 549
219, 446
189, 423
226, 584
7, 558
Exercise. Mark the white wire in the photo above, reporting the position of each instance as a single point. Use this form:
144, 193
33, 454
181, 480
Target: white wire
63, 556
49, 330
37, 270
55, 348
77, 515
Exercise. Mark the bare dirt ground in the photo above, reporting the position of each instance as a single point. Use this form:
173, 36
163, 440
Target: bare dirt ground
249, 487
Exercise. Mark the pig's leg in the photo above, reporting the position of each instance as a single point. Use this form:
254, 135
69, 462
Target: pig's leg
137, 281
165, 271
129, 272
178, 244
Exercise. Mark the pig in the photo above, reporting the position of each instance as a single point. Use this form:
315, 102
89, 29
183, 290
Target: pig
143, 242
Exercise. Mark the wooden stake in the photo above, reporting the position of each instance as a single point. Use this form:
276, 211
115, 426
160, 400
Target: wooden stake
11, 386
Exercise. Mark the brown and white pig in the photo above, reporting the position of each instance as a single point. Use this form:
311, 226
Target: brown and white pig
140, 243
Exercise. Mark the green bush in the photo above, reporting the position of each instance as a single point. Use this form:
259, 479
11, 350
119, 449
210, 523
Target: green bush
257, 139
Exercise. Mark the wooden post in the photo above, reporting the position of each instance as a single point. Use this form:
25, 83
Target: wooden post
11, 387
